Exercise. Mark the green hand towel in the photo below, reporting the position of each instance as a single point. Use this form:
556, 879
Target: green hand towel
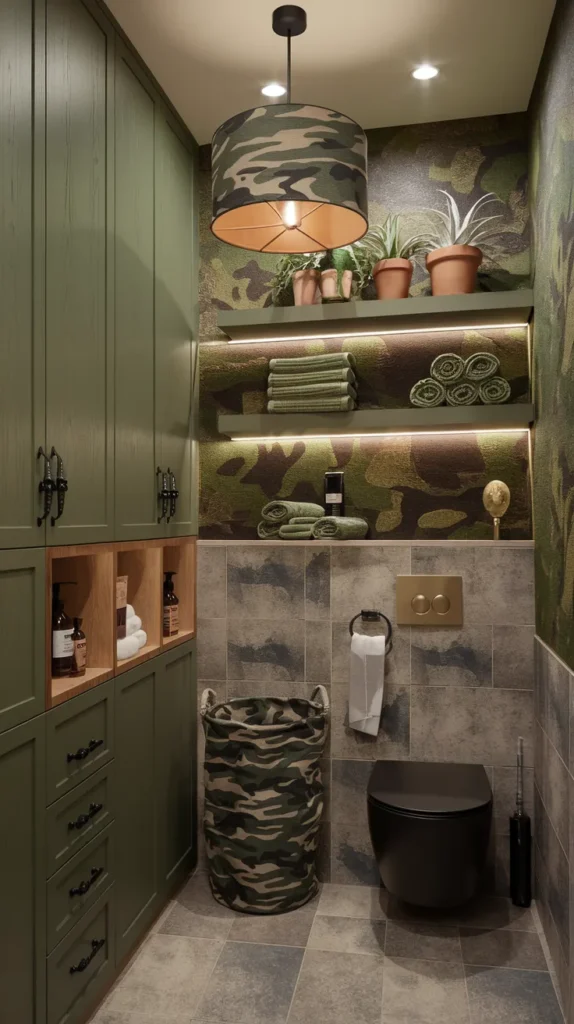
447, 368
310, 364
304, 520
285, 380
480, 366
463, 393
279, 512
340, 528
312, 390
291, 532
427, 393
495, 391
265, 531
343, 404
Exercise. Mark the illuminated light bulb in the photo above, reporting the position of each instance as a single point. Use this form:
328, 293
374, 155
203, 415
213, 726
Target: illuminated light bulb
424, 72
274, 89
289, 215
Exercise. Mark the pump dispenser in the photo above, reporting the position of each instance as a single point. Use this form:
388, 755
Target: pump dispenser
62, 630
170, 607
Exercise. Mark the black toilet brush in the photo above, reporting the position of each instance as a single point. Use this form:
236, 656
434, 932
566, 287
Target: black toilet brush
520, 841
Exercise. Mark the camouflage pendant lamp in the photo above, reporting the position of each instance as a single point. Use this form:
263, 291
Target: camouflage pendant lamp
289, 177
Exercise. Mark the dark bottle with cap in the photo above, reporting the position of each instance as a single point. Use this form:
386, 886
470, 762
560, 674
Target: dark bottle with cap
80, 650
170, 607
62, 630
334, 493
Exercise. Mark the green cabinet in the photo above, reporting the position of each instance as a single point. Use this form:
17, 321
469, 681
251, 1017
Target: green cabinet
22, 596
136, 823
22, 917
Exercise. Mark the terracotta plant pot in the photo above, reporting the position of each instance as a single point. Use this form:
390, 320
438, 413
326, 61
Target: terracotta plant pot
392, 278
329, 290
305, 286
453, 269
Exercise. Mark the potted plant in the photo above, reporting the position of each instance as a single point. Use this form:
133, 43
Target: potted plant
386, 258
300, 272
454, 257
338, 267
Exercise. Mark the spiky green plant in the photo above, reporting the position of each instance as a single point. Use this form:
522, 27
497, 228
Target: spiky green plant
457, 230
384, 242
281, 285
340, 260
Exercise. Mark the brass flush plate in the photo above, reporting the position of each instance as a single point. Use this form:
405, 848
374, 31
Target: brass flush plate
429, 601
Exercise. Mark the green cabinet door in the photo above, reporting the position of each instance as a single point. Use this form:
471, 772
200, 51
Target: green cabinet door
176, 776
137, 898
22, 597
22, 890
176, 314
79, 266
136, 459
21, 345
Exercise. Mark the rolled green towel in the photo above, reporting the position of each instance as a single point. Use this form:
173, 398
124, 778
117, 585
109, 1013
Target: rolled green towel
340, 528
463, 393
285, 380
310, 364
295, 532
304, 520
310, 390
343, 404
447, 368
427, 393
495, 391
481, 366
265, 531
279, 512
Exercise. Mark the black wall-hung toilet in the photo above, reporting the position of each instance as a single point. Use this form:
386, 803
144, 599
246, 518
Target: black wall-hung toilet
430, 827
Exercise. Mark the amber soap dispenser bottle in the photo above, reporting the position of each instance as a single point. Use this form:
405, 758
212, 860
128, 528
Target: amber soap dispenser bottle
62, 630
170, 607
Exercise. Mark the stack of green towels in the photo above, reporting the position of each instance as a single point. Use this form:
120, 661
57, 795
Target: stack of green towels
321, 383
303, 520
459, 381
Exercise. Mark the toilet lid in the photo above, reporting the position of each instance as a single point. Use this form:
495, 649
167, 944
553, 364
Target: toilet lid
420, 787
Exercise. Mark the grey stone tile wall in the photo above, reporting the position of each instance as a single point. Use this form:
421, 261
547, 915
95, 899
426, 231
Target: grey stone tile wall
274, 619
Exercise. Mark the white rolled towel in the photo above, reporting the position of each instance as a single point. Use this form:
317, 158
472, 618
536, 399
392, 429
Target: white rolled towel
127, 648
141, 637
133, 625
130, 611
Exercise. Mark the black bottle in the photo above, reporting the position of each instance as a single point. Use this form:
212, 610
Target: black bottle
520, 844
334, 493
62, 630
170, 607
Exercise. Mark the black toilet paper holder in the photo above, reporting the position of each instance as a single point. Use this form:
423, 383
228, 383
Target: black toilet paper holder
374, 616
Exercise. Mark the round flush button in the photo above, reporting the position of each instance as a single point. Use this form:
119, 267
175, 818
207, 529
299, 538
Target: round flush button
420, 604
441, 604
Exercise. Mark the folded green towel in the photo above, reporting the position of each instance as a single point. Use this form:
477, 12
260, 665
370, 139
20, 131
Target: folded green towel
495, 391
463, 393
295, 532
447, 368
312, 390
481, 366
340, 528
285, 380
427, 393
279, 512
265, 531
343, 404
310, 364
304, 520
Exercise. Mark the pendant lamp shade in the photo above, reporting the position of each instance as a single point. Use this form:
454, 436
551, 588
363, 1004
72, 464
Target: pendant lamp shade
289, 178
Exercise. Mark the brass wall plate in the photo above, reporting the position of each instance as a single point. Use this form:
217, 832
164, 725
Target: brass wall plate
429, 601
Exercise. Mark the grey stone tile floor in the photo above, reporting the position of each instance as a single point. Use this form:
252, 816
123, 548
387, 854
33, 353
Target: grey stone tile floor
352, 956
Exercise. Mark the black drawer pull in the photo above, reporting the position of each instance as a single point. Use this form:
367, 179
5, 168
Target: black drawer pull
83, 819
86, 960
84, 752
84, 887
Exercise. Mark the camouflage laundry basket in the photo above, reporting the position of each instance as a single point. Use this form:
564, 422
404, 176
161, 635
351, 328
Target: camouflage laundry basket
263, 799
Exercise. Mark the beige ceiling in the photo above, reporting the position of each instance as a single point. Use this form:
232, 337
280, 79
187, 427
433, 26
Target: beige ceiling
212, 56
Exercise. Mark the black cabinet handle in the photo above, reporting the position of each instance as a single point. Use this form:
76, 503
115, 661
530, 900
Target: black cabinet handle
163, 493
84, 887
46, 486
173, 494
60, 486
83, 752
83, 819
86, 960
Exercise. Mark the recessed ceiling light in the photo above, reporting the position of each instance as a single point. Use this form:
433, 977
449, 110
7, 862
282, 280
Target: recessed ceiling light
274, 89
425, 71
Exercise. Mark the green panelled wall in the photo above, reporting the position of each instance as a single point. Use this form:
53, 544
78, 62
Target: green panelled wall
552, 203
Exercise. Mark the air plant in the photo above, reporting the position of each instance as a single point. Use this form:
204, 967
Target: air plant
456, 230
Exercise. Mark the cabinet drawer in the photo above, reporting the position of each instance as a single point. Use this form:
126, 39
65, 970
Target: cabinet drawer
77, 886
76, 819
79, 739
82, 965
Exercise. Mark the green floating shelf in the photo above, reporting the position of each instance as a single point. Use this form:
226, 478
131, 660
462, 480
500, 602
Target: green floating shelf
378, 421
482, 309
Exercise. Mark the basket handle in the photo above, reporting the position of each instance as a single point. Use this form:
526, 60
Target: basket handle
320, 696
208, 699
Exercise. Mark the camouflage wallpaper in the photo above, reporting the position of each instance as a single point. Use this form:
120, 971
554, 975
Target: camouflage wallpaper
406, 487
552, 203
